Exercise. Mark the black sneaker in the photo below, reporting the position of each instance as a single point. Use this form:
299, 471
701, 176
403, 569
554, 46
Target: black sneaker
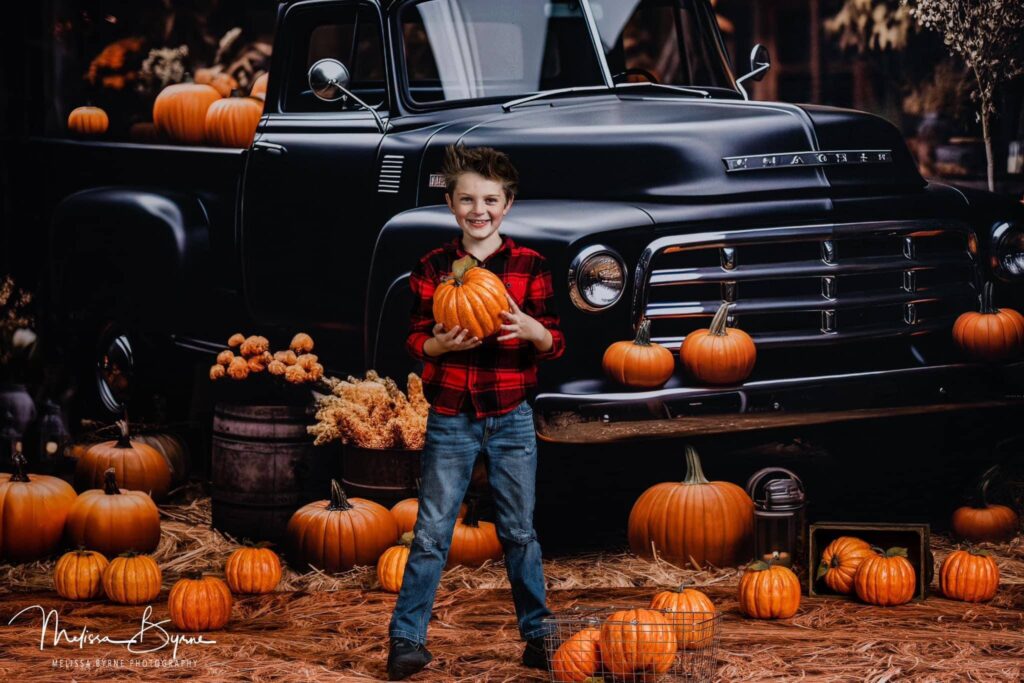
535, 655
406, 658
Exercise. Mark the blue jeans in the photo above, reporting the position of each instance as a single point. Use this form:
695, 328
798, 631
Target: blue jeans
452, 445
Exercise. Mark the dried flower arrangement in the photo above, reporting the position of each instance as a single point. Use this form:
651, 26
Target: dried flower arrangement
372, 413
249, 355
163, 66
17, 340
116, 66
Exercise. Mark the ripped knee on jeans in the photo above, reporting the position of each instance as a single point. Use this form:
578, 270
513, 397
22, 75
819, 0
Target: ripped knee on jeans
521, 536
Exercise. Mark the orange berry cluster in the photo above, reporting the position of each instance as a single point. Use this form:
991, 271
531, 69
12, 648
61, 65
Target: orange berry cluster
246, 355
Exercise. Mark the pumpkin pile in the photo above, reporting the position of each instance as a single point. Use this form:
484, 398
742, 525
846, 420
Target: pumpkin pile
210, 110
251, 355
372, 413
851, 565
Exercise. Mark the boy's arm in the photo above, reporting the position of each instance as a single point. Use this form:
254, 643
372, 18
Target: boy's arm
421, 319
540, 305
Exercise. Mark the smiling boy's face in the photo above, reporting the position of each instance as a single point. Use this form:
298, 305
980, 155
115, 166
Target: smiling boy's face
479, 205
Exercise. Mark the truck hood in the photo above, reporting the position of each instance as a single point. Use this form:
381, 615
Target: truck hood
673, 149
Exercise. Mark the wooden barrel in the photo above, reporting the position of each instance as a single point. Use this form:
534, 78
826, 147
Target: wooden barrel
264, 467
384, 475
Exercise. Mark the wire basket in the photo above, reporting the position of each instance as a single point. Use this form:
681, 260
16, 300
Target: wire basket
632, 645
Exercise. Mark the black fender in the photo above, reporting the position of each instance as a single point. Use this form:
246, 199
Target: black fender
557, 229
134, 254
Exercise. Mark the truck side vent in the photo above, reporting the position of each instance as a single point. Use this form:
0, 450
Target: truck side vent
390, 174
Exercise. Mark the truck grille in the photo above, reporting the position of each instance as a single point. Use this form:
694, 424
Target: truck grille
809, 285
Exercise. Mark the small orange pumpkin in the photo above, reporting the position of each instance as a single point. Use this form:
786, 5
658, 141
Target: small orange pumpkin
769, 591
259, 86
132, 579
253, 569
113, 520
33, 510
79, 574
232, 121
719, 354
840, 560
199, 603
691, 612
640, 362
138, 467
471, 297
391, 565
88, 121
473, 542
179, 111
991, 335
578, 658
970, 575
983, 521
637, 642
886, 578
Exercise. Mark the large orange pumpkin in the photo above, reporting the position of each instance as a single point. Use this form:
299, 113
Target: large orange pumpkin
88, 121
719, 354
693, 521
637, 642
391, 565
406, 510
970, 575
79, 575
983, 521
232, 121
691, 612
33, 510
132, 579
639, 363
578, 658
199, 603
769, 591
338, 534
113, 520
471, 297
473, 542
886, 578
179, 111
993, 334
138, 467
253, 569
840, 560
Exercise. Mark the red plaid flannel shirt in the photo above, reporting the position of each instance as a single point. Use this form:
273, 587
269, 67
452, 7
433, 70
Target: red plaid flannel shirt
495, 377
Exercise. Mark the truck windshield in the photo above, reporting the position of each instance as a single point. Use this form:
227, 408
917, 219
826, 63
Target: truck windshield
675, 42
483, 49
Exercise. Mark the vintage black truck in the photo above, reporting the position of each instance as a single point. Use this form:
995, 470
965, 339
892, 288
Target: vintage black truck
652, 194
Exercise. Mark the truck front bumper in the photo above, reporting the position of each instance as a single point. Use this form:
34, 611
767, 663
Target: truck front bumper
581, 413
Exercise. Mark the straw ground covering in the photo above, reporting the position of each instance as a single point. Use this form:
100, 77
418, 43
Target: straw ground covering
334, 628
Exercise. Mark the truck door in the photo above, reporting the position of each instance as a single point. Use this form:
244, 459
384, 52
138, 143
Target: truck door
306, 235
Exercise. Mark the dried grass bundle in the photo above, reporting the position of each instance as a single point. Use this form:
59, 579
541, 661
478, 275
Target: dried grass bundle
372, 413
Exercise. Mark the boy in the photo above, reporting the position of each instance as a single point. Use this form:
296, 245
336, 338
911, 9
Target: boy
477, 389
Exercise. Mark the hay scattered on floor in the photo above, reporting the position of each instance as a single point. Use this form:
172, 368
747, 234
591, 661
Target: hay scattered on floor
334, 628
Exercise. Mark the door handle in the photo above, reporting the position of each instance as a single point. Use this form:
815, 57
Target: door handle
270, 148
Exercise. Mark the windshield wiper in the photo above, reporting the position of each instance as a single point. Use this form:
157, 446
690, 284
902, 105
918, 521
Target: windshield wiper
676, 88
553, 93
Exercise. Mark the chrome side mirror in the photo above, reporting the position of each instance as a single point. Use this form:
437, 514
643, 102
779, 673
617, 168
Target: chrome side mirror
760, 62
329, 80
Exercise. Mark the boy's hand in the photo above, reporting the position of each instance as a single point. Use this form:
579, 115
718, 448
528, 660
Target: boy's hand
453, 340
519, 325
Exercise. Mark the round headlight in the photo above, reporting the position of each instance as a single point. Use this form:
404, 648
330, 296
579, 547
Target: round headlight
1008, 251
597, 278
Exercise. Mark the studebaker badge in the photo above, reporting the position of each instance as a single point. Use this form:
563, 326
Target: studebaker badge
761, 162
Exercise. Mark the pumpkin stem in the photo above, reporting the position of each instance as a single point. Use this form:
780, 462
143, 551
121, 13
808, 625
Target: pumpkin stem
896, 552
339, 501
110, 482
758, 566
683, 586
461, 267
123, 441
406, 539
195, 575
986, 298
643, 333
717, 327
694, 471
823, 568
472, 517
20, 465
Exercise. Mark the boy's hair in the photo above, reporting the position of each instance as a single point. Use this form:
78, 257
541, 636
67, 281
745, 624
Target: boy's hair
485, 161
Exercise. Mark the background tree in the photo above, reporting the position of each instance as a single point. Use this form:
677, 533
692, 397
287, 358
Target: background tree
988, 35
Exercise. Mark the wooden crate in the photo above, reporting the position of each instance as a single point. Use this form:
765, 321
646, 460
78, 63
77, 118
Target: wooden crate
914, 537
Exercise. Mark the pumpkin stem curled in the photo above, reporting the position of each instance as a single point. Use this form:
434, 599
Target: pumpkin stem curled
339, 501
987, 291
123, 441
643, 333
110, 482
20, 465
717, 327
694, 471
